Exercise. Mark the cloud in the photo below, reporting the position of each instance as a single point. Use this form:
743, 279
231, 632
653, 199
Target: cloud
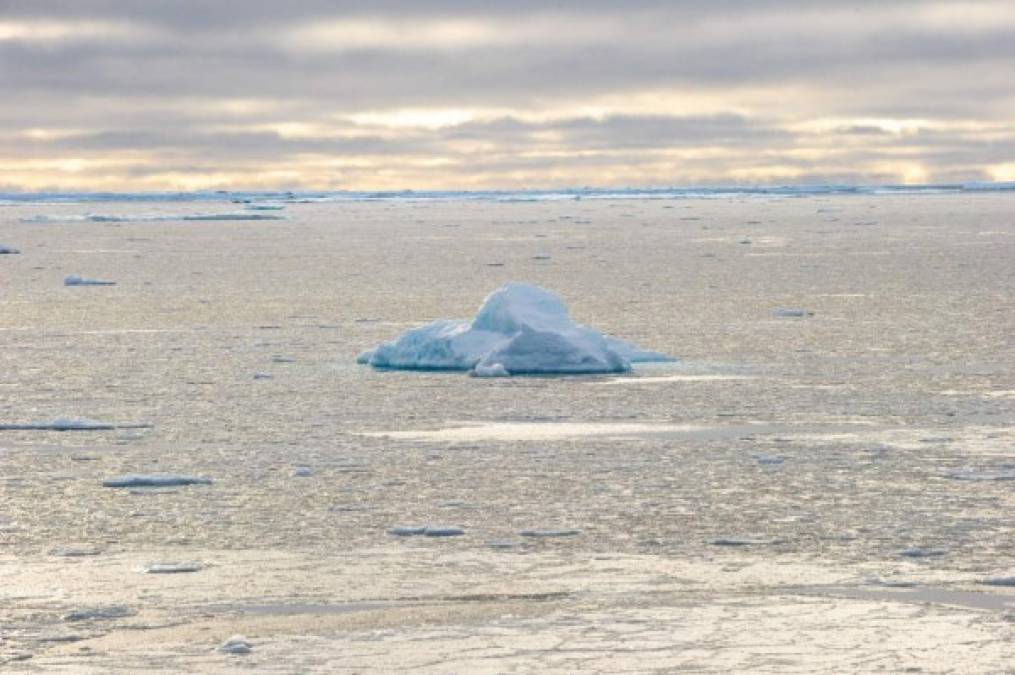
502, 93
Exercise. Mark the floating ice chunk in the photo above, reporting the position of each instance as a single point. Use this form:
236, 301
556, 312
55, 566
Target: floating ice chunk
263, 376
917, 552
75, 280
75, 551
153, 480
173, 568
407, 530
970, 474
99, 613
302, 472
519, 330
443, 531
63, 424
762, 458
496, 370
541, 534
230, 216
891, 583
791, 313
237, 644
145, 217
427, 531
265, 207
999, 581
7, 250
740, 541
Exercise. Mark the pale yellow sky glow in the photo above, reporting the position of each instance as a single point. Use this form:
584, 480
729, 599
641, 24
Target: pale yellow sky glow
440, 94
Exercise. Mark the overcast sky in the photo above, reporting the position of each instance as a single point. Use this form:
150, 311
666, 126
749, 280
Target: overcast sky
444, 94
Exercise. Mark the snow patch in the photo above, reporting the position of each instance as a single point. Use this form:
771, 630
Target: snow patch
520, 330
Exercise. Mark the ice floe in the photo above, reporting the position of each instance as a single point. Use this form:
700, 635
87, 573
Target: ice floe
999, 581
426, 531
791, 313
520, 330
75, 280
237, 644
173, 568
99, 613
64, 424
917, 552
546, 534
990, 475
147, 217
153, 480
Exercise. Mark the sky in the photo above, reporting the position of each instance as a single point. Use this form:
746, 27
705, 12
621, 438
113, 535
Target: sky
136, 95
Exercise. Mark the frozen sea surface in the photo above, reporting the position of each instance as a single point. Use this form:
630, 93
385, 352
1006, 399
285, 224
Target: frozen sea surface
736, 511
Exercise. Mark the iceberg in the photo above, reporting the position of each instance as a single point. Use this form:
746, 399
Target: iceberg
521, 329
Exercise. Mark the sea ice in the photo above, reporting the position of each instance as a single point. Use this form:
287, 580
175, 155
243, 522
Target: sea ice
427, 531
63, 424
111, 612
237, 644
542, 534
520, 330
917, 552
75, 280
791, 313
172, 567
999, 581
153, 480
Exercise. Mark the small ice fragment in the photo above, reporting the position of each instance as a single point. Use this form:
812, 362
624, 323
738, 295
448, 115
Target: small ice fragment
972, 475
745, 240
75, 280
891, 583
917, 552
237, 644
7, 250
999, 581
302, 472
98, 613
153, 480
549, 533
503, 544
173, 567
263, 376
282, 359
64, 424
767, 459
75, 551
265, 207
493, 370
791, 313
442, 531
739, 541
407, 531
